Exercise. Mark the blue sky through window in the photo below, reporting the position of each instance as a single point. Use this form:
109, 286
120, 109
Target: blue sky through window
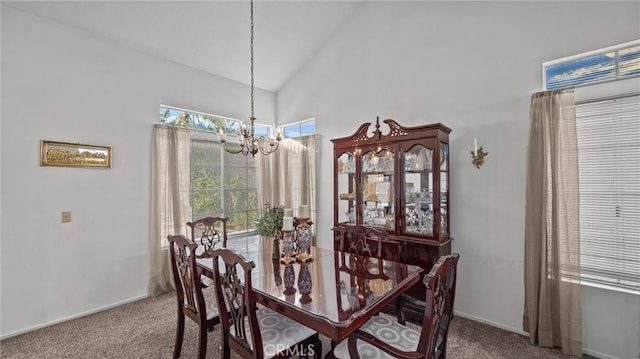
299, 129
200, 121
605, 66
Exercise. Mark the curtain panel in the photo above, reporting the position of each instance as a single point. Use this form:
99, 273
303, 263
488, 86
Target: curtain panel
552, 308
288, 176
169, 205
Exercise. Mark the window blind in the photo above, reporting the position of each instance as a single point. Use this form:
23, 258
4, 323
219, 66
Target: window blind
608, 134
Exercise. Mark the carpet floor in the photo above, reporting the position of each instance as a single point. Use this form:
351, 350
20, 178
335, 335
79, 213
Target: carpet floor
146, 329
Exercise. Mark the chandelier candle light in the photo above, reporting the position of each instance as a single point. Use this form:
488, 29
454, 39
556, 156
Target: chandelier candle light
249, 143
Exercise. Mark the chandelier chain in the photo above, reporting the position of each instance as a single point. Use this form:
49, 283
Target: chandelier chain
249, 143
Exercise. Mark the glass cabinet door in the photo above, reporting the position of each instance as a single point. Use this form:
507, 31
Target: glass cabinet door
378, 189
444, 189
418, 176
346, 188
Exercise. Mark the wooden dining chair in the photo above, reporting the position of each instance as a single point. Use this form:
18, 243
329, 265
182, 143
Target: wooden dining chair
369, 241
194, 301
375, 337
364, 240
209, 231
252, 331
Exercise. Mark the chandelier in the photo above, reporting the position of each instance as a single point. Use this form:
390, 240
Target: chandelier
249, 143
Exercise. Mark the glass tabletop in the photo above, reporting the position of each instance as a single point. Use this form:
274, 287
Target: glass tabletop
259, 251
334, 286
330, 286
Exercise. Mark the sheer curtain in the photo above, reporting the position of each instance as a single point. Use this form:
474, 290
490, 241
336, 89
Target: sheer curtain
169, 205
552, 308
288, 176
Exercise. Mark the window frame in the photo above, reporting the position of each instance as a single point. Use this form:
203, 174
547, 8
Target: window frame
597, 90
577, 58
205, 135
299, 124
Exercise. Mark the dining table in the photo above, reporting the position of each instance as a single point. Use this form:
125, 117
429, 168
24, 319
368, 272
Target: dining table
333, 292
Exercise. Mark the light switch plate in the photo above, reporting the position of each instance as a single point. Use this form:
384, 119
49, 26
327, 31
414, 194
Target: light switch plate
66, 216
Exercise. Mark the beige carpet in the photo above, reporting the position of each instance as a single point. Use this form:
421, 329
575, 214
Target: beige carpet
146, 329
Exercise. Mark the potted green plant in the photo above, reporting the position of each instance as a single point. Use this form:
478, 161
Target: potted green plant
270, 225
270, 220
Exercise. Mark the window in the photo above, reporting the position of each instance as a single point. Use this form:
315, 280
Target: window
610, 64
609, 165
221, 183
608, 131
299, 129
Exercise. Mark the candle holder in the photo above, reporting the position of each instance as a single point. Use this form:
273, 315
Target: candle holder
288, 247
303, 234
477, 157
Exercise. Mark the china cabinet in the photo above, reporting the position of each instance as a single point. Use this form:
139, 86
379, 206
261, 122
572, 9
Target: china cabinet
398, 182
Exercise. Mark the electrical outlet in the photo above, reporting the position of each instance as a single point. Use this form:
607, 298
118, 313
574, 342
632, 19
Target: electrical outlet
66, 216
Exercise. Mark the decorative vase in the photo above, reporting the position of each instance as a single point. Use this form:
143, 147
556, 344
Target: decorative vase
288, 247
304, 284
277, 276
289, 280
303, 233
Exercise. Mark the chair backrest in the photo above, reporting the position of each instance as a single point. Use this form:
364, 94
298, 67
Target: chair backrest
369, 241
367, 248
208, 231
236, 302
186, 277
438, 311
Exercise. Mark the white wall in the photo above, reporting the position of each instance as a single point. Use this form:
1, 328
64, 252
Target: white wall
62, 84
472, 66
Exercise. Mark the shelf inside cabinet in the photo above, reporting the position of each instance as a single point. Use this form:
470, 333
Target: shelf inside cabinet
384, 173
419, 171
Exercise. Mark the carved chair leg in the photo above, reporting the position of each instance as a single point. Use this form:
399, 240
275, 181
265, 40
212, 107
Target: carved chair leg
400, 310
179, 336
226, 350
202, 345
353, 349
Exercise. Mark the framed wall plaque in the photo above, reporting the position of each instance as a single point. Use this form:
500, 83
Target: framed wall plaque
66, 154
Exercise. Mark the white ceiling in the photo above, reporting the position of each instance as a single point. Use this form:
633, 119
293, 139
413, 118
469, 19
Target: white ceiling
212, 36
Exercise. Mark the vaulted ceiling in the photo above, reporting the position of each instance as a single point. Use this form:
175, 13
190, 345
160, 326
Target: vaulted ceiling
212, 36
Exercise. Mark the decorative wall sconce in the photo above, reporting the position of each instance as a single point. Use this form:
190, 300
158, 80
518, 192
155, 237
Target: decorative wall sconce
477, 154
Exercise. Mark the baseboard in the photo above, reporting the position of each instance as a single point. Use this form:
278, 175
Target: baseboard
491, 323
96, 310
596, 355
591, 353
